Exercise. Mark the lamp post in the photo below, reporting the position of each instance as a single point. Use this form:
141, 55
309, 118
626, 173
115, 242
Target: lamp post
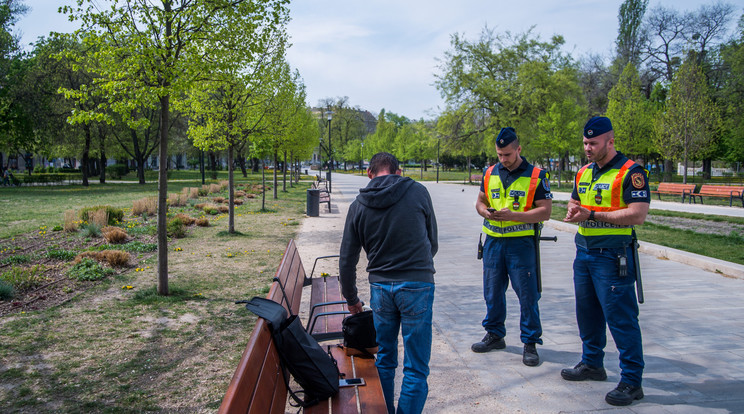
329, 116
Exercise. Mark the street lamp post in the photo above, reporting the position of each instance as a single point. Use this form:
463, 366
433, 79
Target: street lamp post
329, 115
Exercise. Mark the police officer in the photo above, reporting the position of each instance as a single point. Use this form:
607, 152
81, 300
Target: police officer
514, 195
610, 196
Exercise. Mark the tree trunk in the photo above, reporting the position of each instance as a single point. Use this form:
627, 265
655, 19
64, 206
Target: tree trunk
230, 192
284, 172
86, 156
163, 198
274, 180
102, 149
707, 168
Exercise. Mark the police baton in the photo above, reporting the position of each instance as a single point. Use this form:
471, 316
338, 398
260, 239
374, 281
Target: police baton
639, 282
538, 228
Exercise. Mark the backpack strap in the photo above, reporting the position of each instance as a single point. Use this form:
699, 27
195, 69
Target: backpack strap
274, 313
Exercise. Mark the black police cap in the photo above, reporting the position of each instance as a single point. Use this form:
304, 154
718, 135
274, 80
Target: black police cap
506, 137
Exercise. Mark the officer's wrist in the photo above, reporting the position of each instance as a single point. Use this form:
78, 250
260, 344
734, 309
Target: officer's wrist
591, 215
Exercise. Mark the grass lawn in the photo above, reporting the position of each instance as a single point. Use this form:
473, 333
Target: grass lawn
120, 347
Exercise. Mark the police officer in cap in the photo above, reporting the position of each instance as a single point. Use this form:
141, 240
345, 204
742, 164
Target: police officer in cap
610, 196
513, 196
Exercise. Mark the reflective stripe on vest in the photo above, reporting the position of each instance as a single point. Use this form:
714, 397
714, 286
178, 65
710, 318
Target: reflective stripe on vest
614, 183
510, 228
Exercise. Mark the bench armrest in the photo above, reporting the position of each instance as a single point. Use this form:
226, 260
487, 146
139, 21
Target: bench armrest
326, 335
318, 305
308, 280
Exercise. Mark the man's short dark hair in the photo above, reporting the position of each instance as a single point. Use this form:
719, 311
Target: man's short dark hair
383, 161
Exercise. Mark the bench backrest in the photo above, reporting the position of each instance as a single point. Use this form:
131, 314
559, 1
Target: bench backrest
724, 190
257, 386
676, 187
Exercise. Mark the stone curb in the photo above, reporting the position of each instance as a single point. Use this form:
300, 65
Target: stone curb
703, 262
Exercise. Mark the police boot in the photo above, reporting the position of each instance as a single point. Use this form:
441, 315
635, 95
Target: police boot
624, 394
489, 342
529, 355
583, 372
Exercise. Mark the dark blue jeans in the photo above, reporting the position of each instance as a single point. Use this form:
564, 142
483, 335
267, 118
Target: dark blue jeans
505, 259
603, 297
406, 305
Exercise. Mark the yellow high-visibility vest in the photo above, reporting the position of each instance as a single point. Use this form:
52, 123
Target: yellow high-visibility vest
603, 194
519, 197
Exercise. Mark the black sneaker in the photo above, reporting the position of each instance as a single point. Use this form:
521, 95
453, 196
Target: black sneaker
624, 394
529, 355
489, 342
583, 372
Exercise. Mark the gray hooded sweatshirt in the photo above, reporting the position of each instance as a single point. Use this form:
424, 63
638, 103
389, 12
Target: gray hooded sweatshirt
393, 220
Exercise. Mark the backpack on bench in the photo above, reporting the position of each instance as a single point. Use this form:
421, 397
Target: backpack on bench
312, 368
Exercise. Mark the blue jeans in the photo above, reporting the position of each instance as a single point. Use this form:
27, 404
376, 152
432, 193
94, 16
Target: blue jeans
603, 297
407, 305
504, 259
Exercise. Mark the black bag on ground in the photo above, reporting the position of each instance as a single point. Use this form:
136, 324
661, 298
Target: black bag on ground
313, 368
360, 336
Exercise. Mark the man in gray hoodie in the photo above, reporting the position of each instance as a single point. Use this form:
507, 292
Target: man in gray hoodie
393, 220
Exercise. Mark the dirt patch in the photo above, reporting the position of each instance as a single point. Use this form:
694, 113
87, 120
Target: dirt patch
698, 226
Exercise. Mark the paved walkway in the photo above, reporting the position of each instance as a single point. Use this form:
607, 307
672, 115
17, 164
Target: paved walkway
692, 323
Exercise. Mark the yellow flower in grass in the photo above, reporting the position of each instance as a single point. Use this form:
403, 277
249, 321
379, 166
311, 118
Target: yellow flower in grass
324, 274
127, 287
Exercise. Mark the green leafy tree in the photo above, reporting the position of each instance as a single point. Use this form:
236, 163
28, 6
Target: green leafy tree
632, 115
629, 36
691, 121
732, 96
152, 51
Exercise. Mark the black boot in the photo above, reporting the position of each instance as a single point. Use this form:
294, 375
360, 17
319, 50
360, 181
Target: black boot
489, 342
529, 355
583, 372
624, 394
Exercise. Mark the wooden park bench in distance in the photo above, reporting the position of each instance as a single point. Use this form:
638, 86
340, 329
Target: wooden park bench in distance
684, 190
258, 386
724, 191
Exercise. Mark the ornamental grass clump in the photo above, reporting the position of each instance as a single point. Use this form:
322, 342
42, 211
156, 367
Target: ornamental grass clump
176, 228
113, 215
214, 188
190, 192
114, 235
98, 217
71, 221
202, 222
178, 200
219, 200
146, 206
187, 220
114, 258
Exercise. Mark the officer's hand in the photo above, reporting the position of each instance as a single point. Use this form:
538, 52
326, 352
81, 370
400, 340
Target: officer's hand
576, 213
503, 215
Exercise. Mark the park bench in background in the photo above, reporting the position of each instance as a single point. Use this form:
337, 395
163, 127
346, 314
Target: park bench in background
684, 190
325, 195
725, 191
257, 386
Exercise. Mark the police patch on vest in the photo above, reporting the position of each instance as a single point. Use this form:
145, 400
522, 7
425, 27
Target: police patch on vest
601, 186
638, 180
546, 184
639, 194
582, 190
517, 193
495, 193
584, 184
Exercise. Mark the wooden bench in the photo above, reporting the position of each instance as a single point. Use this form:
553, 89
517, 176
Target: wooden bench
325, 195
725, 191
258, 386
476, 177
684, 190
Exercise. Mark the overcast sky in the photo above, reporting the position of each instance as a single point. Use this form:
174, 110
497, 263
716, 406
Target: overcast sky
383, 53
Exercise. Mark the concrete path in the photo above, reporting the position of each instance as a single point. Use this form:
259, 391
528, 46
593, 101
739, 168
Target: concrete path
692, 322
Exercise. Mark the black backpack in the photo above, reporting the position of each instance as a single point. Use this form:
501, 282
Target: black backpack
313, 369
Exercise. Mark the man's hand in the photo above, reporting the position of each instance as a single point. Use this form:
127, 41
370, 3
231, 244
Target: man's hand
576, 213
505, 214
354, 309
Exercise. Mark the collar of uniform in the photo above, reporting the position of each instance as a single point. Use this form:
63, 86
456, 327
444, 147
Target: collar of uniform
522, 167
596, 172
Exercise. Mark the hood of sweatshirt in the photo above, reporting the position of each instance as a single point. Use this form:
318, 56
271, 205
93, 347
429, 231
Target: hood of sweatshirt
384, 191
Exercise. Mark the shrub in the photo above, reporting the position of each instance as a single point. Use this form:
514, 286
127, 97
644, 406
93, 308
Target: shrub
114, 235
71, 221
224, 184
202, 222
238, 201
88, 269
240, 193
114, 214
117, 171
176, 228
211, 209
223, 209
187, 220
204, 190
219, 199
214, 188
23, 278
148, 205
6, 290
57, 228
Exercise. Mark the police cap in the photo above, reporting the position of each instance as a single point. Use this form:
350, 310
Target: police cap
597, 126
506, 137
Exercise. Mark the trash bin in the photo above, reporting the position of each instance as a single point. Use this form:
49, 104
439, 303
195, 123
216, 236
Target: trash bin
305, 171
313, 203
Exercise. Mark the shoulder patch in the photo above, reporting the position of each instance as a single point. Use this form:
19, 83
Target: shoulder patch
638, 180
